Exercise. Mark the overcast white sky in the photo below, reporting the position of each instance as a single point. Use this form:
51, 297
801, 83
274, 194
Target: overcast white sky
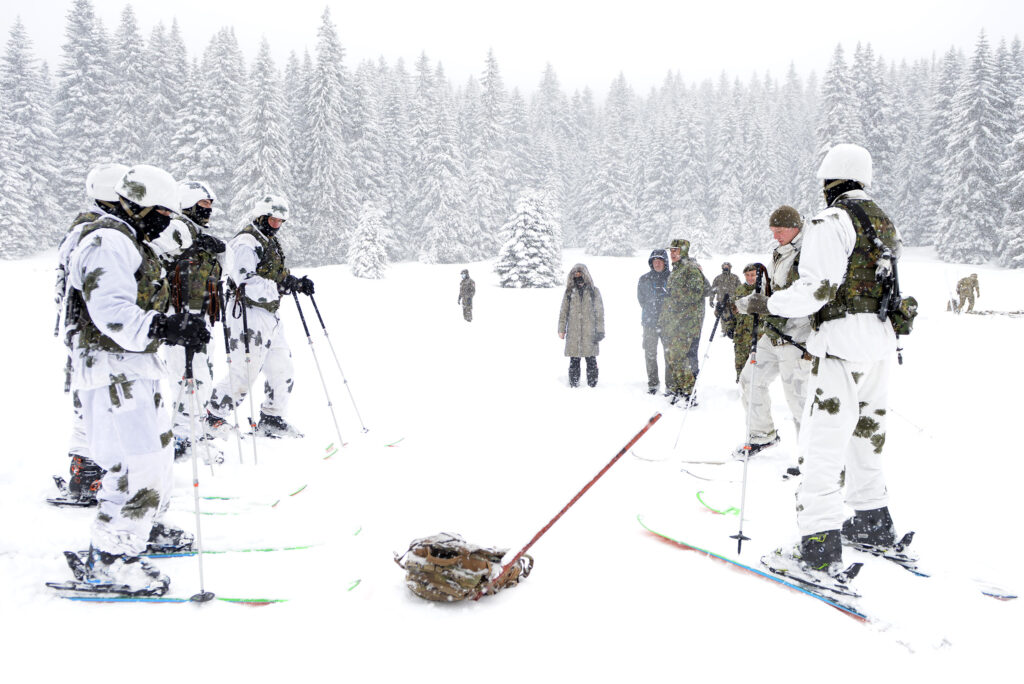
588, 42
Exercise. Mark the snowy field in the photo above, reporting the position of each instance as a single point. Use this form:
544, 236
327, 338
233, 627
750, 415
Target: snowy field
488, 441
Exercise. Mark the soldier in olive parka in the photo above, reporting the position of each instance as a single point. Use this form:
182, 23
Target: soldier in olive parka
682, 317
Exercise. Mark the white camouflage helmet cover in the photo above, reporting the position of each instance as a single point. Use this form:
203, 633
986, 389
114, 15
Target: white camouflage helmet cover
270, 205
100, 182
847, 162
190, 192
149, 186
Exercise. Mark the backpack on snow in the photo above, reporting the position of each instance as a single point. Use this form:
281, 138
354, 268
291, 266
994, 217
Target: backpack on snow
445, 567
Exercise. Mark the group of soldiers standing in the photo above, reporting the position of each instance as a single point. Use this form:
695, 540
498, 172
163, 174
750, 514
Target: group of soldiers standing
138, 274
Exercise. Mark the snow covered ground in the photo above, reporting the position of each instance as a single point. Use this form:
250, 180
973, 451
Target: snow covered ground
492, 444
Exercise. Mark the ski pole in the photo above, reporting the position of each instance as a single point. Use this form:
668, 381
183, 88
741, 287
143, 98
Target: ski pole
190, 380
489, 587
320, 372
333, 353
739, 536
227, 351
240, 301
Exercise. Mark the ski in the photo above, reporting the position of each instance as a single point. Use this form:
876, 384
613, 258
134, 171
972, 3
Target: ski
77, 590
193, 552
844, 604
897, 554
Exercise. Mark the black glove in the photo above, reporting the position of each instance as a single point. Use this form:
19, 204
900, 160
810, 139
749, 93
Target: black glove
289, 284
208, 243
598, 336
305, 286
185, 329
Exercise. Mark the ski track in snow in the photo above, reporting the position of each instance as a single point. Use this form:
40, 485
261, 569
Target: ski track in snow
494, 443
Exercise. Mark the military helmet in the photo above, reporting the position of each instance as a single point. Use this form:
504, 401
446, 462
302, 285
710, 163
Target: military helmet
191, 192
846, 161
270, 205
148, 186
680, 243
100, 182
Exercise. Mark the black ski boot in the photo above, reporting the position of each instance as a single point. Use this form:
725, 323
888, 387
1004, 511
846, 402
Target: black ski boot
871, 528
822, 551
85, 479
276, 426
165, 539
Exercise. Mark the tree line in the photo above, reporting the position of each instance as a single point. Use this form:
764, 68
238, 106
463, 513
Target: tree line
398, 162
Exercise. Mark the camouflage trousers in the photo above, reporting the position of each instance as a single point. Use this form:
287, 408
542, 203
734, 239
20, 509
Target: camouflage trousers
843, 427
79, 442
130, 437
650, 342
966, 299
202, 371
785, 362
467, 309
742, 340
681, 363
268, 353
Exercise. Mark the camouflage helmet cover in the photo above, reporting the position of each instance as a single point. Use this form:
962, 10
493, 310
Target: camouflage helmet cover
148, 186
192, 192
270, 205
102, 179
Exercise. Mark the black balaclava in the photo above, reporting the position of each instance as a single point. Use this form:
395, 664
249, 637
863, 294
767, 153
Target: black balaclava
146, 220
264, 226
835, 187
200, 215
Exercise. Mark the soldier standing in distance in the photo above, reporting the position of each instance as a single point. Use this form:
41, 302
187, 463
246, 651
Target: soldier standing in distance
966, 289
743, 335
723, 294
467, 289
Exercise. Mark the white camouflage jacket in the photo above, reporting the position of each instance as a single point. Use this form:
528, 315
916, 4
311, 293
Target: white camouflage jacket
113, 309
827, 245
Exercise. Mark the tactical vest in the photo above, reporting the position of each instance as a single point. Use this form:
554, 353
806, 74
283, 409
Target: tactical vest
780, 321
153, 293
202, 268
270, 265
860, 291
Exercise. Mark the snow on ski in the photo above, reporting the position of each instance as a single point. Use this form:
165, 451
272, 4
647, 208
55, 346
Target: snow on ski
845, 605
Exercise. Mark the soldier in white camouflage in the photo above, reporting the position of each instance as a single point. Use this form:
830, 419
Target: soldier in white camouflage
777, 355
84, 476
845, 269
257, 281
120, 294
194, 274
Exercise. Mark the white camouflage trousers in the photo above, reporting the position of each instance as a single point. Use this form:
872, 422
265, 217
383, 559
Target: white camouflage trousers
269, 353
129, 433
843, 426
785, 362
202, 371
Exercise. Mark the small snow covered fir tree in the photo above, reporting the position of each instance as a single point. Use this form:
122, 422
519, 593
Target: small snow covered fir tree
532, 254
366, 253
